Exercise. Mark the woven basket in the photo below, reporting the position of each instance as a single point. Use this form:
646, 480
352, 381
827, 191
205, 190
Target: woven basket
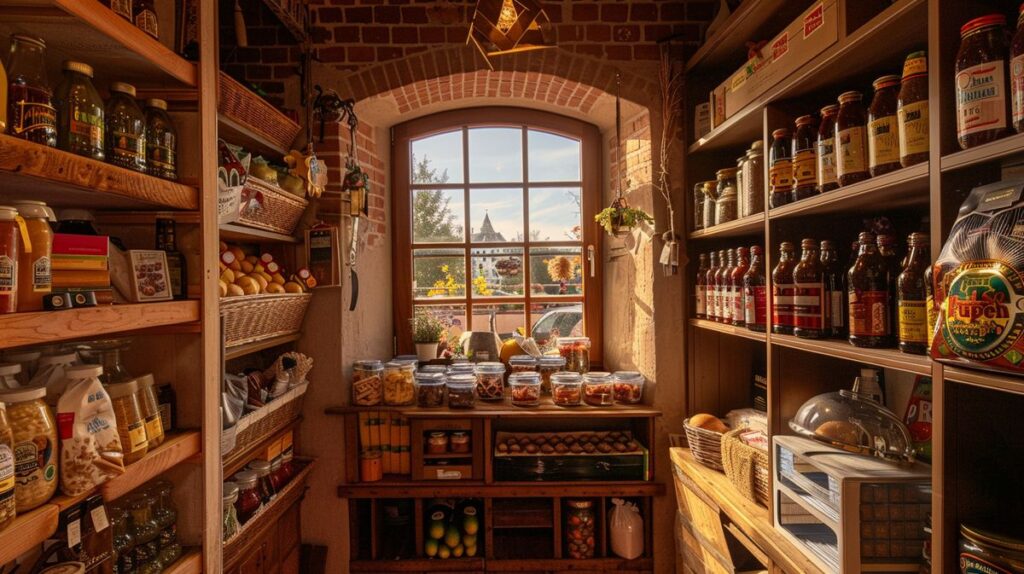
267, 420
280, 211
746, 467
253, 112
705, 445
249, 318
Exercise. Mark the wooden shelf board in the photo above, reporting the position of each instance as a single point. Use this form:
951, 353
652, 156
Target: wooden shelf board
238, 232
235, 460
750, 225
984, 379
991, 151
728, 329
738, 131
254, 347
237, 133
27, 531
447, 455
418, 565
753, 20
87, 31
903, 187
190, 562
506, 410
463, 488
33, 171
559, 565
889, 358
45, 327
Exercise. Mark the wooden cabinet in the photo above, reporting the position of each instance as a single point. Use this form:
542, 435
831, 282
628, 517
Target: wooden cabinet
274, 547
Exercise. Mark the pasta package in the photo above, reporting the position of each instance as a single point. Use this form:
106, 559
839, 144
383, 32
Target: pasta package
90, 448
978, 282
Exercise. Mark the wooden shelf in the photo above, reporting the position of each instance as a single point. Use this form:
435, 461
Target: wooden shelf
559, 565
738, 131
463, 488
235, 460
984, 379
190, 563
888, 358
903, 187
46, 327
87, 31
753, 20
729, 329
27, 531
236, 232
419, 565
254, 347
992, 151
237, 133
34, 171
749, 225
506, 410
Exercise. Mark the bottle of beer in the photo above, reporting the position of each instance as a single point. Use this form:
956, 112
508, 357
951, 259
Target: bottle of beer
868, 293
782, 290
712, 289
736, 280
808, 291
725, 281
834, 298
755, 293
893, 266
700, 287
912, 297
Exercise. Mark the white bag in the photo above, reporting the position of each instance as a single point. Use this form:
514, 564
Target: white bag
90, 448
627, 530
50, 374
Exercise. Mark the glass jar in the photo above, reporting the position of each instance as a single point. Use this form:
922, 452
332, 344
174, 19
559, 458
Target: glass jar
248, 496
437, 443
146, 533
287, 465
34, 433
161, 141
429, 389
125, 129
10, 247
371, 468
547, 366
29, 361
278, 477
366, 383
827, 177
461, 391
741, 183
628, 387
31, 115
567, 389
698, 206
150, 407
464, 368
522, 364
808, 292
9, 375
725, 205
35, 277
780, 172
7, 504
490, 381
230, 519
107, 352
985, 551
579, 529
525, 389
883, 127
263, 483
79, 112
165, 513
576, 352
598, 389
398, 383
123, 555
851, 140
805, 160
912, 110
458, 442
710, 196
131, 426
982, 105
753, 181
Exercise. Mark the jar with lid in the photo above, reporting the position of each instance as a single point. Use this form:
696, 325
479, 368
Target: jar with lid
161, 141
827, 177
869, 297
576, 352
982, 103
698, 206
783, 290
430, 389
851, 140
461, 391
131, 426
123, 555
780, 172
741, 183
522, 363
579, 529
371, 468
458, 442
79, 112
437, 442
805, 160
525, 389
490, 381
398, 383
755, 293
628, 387
146, 533
808, 293
230, 518
567, 389
7, 503
912, 110
288, 469
108, 353
35, 278
278, 474
988, 551
710, 196
753, 181
883, 127
725, 205
266, 488
29, 361
10, 249
125, 129
547, 366
150, 411
367, 377
31, 115
10, 374
34, 433
598, 389
248, 495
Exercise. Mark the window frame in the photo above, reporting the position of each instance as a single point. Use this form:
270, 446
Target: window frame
592, 186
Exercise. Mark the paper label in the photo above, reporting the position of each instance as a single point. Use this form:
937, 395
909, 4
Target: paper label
780, 176
808, 312
805, 169
826, 161
99, 518
782, 304
136, 436
1017, 88
755, 303
154, 428
122, 7
74, 533
6, 473
726, 303
8, 274
702, 303
85, 130
869, 313
981, 98
738, 307
836, 311
42, 275
883, 143
913, 318
913, 120
850, 157
814, 19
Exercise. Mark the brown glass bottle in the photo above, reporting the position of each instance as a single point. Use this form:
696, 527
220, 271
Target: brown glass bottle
31, 115
851, 140
783, 290
780, 172
912, 110
1017, 74
736, 281
868, 295
827, 178
982, 105
755, 293
725, 286
723, 263
883, 128
834, 298
912, 297
710, 289
805, 160
176, 266
808, 291
700, 287
893, 266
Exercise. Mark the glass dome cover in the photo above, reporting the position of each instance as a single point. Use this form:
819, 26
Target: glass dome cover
854, 422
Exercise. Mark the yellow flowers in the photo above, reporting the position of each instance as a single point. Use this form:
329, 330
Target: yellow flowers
448, 287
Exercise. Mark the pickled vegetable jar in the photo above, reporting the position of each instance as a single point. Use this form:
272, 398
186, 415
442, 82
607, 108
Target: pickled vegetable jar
579, 529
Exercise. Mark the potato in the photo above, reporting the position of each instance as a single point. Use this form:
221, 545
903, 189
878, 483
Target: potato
235, 290
292, 287
275, 288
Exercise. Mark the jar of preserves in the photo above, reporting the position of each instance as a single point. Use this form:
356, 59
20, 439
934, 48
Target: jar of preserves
547, 366
780, 171
987, 551
628, 387
982, 104
912, 110
522, 363
125, 129
808, 291
150, 411
437, 442
31, 115
371, 467
131, 426
805, 158
783, 290
398, 383
755, 293
883, 127
263, 483
34, 433
525, 389
161, 141
834, 299
911, 297
230, 516
851, 140
278, 475
35, 278
287, 464
490, 381
598, 389
710, 196
123, 555
698, 206
7, 503
248, 495
461, 391
868, 295
367, 385
725, 205
579, 529
700, 307
576, 352
458, 442
736, 274
753, 181
146, 533
567, 389
430, 389
79, 112
828, 179
10, 250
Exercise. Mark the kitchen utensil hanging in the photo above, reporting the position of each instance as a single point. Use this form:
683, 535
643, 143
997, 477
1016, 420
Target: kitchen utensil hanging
357, 185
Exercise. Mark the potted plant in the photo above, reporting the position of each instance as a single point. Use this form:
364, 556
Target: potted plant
426, 334
620, 217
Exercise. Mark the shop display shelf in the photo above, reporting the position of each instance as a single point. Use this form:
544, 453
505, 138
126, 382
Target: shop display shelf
505, 410
190, 563
238, 232
261, 345
888, 358
237, 133
984, 379
44, 327
584, 565
61, 179
27, 531
903, 187
89, 32
750, 225
1008, 146
753, 18
391, 487
237, 458
419, 565
728, 329
738, 131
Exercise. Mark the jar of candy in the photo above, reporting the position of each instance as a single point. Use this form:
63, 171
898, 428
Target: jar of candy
429, 389
490, 381
547, 366
248, 495
567, 388
576, 352
579, 529
525, 388
628, 387
598, 389
398, 383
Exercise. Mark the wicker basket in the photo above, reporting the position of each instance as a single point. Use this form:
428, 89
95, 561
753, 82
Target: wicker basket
253, 112
249, 318
263, 422
705, 445
279, 211
746, 467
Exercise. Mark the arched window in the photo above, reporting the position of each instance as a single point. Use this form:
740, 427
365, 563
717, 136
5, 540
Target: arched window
494, 224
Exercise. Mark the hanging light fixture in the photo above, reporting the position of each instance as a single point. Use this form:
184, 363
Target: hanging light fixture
502, 27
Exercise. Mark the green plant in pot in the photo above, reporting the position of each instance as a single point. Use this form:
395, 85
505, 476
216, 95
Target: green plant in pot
620, 218
426, 334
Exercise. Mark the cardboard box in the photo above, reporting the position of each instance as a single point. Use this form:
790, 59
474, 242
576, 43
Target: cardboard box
141, 275
323, 255
717, 105
701, 120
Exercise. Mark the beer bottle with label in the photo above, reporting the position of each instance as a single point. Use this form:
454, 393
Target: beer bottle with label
868, 294
893, 267
782, 290
834, 298
721, 284
805, 160
736, 280
700, 287
755, 293
711, 288
912, 297
808, 289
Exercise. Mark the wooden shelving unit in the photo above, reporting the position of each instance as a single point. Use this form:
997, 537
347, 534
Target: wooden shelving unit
728, 329
236, 232
189, 563
250, 348
990, 152
750, 225
238, 133
886, 358
901, 188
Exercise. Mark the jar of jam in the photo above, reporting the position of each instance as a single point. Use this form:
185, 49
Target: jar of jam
278, 477
263, 483
783, 290
982, 104
780, 174
547, 366
459, 442
31, 115
827, 177
79, 112
288, 469
248, 496
912, 110
725, 205
437, 443
598, 389
230, 518
883, 129
161, 141
805, 161
986, 551
851, 140
753, 181
35, 276
710, 195
10, 246
125, 129
698, 206
579, 529
567, 389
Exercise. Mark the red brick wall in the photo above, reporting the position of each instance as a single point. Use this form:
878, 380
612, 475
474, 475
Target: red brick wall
334, 151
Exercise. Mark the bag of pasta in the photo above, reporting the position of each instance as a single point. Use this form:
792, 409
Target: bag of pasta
90, 448
978, 282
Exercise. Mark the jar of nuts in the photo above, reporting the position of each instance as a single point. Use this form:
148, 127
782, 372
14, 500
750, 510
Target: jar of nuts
461, 391
629, 387
579, 529
547, 366
525, 389
429, 389
398, 383
34, 434
597, 389
567, 388
490, 381
367, 383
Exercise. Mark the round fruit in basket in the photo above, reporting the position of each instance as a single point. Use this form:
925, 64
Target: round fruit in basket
708, 422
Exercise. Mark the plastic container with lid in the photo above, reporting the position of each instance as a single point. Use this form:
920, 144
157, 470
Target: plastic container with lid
752, 201
131, 426
525, 389
854, 422
726, 205
10, 248
912, 110
161, 141
248, 495
367, 382
7, 504
461, 390
31, 114
628, 387
522, 363
35, 446
827, 177
547, 366
76, 222
398, 383
883, 127
567, 389
780, 171
230, 520
10, 376
490, 381
266, 487
433, 369
576, 352
982, 550
430, 389
29, 360
805, 160
851, 140
80, 113
462, 368
982, 100
125, 129
35, 278
598, 389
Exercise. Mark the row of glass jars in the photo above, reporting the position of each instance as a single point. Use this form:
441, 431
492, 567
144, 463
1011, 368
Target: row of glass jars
736, 192
145, 530
254, 487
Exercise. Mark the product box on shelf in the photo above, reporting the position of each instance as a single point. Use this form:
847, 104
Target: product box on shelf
570, 456
141, 275
701, 120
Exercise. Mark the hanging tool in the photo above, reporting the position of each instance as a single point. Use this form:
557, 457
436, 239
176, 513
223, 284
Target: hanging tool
357, 185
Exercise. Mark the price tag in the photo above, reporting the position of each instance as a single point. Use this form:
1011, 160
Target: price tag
74, 533
99, 518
